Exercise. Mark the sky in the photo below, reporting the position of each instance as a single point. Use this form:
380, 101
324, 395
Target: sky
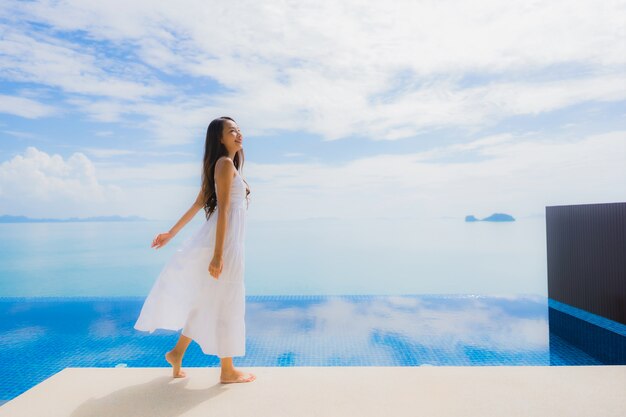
349, 109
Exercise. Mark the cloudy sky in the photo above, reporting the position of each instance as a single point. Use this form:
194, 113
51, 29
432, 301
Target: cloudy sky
348, 108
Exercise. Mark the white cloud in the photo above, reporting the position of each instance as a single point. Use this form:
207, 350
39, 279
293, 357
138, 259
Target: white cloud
25, 107
39, 184
445, 104
70, 67
517, 175
330, 68
481, 143
156, 190
315, 109
476, 323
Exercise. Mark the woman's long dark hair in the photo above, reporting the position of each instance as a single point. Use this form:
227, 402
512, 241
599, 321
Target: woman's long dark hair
214, 149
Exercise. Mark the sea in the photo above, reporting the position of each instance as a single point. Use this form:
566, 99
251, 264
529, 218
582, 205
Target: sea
319, 256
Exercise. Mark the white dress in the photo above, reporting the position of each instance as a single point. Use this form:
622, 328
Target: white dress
186, 296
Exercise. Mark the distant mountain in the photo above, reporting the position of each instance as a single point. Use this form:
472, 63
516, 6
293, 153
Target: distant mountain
499, 217
495, 217
23, 219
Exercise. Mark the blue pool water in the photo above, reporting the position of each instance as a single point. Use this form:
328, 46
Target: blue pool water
41, 336
71, 292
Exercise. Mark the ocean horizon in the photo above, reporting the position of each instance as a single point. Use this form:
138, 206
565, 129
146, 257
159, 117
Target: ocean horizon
328, 256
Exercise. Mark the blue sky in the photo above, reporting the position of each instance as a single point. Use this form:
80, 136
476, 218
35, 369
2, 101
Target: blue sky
348, 109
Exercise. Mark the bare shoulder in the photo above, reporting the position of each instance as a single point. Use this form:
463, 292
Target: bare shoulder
224, 167
224, 160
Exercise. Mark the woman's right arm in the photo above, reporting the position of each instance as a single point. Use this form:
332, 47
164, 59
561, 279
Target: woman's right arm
224, 172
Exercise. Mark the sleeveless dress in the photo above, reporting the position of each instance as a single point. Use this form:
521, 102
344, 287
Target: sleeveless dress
186, 296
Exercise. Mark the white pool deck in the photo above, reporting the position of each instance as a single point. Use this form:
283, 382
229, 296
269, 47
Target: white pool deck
331, 391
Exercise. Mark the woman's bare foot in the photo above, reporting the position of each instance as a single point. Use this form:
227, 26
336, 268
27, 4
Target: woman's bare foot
235, 376
176, 361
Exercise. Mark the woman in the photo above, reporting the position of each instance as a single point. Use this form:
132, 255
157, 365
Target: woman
201, 288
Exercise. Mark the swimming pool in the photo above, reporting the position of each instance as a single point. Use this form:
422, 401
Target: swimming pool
40, 336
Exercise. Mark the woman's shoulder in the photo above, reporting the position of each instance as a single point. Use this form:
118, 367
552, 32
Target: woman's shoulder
225, 166
224, 159
224, 162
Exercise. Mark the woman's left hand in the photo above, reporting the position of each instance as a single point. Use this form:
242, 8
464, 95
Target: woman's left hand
161, 240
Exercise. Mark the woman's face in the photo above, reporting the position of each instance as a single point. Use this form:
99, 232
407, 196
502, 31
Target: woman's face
231, 135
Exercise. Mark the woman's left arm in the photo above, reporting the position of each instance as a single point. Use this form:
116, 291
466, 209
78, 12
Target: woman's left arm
189, 214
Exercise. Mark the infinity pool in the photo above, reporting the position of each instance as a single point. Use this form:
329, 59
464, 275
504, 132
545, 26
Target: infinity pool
41, 336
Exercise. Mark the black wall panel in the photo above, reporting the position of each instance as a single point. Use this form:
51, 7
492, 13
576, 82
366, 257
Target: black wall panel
586, 247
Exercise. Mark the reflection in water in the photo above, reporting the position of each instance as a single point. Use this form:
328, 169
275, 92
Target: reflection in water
397, 331
411, 330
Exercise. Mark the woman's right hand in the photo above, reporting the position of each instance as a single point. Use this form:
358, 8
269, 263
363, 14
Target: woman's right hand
161, 239
216, 265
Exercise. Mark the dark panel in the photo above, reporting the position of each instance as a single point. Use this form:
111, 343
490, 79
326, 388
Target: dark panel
586, 248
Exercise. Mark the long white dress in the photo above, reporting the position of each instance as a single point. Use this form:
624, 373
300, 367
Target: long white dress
186, 296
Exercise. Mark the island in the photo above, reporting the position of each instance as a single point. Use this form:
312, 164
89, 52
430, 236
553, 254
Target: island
23, 219
495, 217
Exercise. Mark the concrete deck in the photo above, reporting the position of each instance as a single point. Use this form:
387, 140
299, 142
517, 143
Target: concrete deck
331, 391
